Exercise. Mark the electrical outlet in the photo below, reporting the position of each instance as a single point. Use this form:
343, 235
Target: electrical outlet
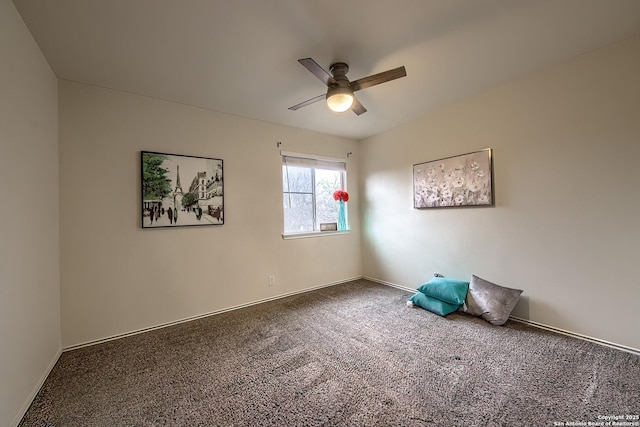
272, 280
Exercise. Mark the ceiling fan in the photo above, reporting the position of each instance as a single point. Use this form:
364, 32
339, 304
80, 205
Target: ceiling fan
340, 93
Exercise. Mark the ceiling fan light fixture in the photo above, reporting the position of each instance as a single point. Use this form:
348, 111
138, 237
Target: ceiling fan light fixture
340, 99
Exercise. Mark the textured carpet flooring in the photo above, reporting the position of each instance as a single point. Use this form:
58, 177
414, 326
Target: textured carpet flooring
347, 355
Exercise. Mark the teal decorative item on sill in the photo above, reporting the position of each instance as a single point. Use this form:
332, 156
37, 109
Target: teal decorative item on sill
341, 197
342, 220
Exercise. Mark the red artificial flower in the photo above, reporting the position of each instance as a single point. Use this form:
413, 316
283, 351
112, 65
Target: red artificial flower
341, 195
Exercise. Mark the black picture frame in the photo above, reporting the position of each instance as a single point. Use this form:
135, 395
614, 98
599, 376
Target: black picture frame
181, 191
465, 180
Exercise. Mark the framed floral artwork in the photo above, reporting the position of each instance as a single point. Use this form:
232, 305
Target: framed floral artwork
179, 190
463, 180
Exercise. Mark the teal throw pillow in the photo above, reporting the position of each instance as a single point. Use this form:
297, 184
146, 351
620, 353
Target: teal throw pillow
448, 290
433, 305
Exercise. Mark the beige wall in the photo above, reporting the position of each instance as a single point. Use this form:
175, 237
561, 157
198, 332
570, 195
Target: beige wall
29, 244
118, 278
565, 227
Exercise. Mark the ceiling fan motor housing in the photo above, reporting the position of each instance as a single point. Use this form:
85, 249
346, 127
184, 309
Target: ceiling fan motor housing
339, 72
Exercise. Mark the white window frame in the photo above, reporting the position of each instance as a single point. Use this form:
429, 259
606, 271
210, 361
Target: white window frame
320, 162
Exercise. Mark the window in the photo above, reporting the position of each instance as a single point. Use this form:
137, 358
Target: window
308, 184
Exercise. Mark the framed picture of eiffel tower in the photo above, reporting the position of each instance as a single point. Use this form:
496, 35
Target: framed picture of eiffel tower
179, 190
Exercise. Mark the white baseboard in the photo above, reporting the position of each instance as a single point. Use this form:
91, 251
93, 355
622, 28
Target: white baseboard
200, 316
535, 324
36, 389
577, 335
393, 285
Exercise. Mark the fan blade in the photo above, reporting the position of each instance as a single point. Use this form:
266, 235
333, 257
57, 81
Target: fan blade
376, 79
317, 70
357, 107
308, 102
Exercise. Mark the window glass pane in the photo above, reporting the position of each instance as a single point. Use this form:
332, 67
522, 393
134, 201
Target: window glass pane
327, 181
297, 179
298, 212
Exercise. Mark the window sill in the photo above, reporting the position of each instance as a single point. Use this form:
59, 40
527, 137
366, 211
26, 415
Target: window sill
291, 236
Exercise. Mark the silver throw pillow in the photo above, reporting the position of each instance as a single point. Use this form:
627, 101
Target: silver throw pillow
492, 302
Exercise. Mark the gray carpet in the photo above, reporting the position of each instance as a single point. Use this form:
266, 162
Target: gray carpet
347, 355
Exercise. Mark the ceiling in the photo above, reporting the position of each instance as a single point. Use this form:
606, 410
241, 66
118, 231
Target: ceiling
240, 56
